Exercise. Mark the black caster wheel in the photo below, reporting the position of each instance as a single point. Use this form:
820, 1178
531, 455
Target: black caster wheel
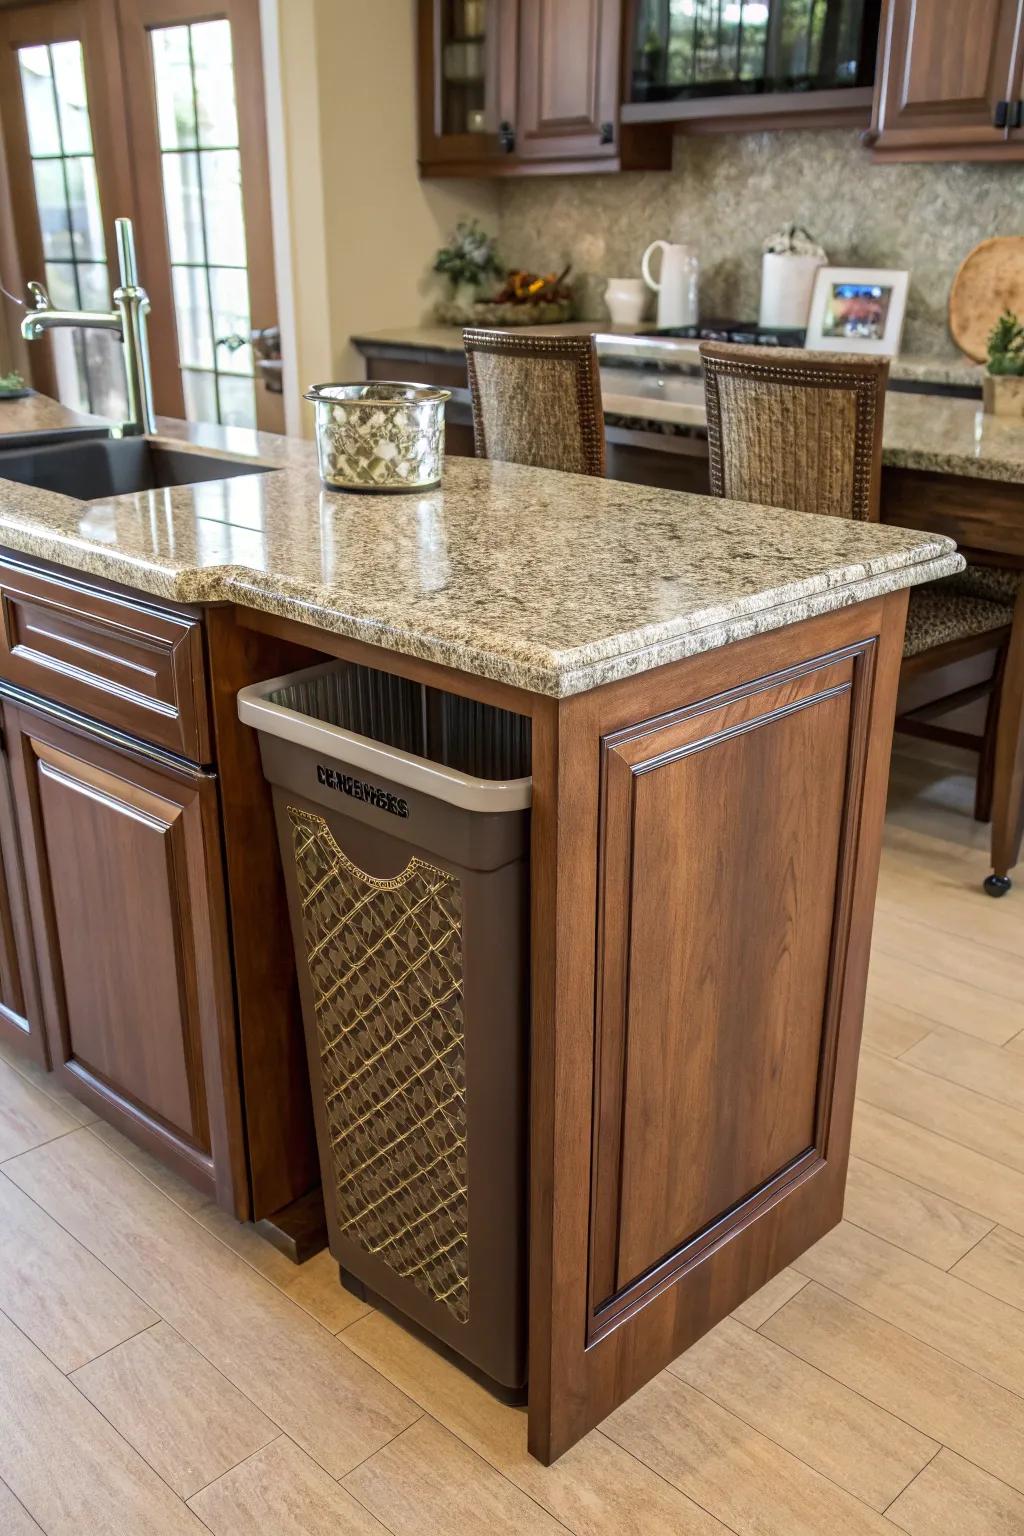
997, 885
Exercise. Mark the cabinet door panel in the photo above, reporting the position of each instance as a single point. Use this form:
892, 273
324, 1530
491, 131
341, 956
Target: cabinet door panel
123, 870
119, 897
941, 77
701, 926
717, 1010
568, 81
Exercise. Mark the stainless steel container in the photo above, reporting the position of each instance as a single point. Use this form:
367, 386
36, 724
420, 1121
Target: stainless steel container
379, 436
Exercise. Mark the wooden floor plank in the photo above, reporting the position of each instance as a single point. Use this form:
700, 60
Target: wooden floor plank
953, 1498
745, 1479
595, 1489
890, 1029
987, 1069
945, 1400
996, 1265
867, 1451
301, 1377
28, 1118
46, 1083
945, 1167
63, 1461
65, 1300
757, 1309
179, 1413
945, 896
956, 956
15, 1519
940, 1309
313, 1286
966, 1117
281, 1492
426, 1481
910, 1217
915, 988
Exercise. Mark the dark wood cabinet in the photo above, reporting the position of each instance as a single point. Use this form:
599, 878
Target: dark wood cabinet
125, 888
949, 81
20, 1020
521, 86
569, 79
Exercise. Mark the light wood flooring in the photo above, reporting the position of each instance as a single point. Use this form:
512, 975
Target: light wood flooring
163, 1371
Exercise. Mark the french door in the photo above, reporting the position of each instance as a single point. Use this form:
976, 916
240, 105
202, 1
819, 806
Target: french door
151, 108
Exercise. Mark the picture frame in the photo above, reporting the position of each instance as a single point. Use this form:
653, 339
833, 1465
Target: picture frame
858, 310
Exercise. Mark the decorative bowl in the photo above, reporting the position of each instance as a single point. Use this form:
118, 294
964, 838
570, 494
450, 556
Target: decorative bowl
492, 313
379, 436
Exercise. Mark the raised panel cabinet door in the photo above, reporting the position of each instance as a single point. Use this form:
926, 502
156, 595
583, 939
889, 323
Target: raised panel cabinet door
703, 894
20, 1019
125, 887
946, 74
568, 79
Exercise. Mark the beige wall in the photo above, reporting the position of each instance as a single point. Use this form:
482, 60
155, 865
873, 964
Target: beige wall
356, 226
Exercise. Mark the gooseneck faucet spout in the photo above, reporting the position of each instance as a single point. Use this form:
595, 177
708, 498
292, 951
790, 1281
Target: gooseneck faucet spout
127, 318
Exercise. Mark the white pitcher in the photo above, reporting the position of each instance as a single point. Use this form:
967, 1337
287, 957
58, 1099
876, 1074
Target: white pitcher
677, 286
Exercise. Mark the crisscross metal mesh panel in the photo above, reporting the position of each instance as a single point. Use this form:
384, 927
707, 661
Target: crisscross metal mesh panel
385, 959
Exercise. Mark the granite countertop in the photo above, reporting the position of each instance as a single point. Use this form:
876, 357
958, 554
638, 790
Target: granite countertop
554, 583
923, 432
674, 354
38, 413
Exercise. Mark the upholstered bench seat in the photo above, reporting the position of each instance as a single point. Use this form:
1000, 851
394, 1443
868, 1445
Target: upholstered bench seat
937, 615
975, 601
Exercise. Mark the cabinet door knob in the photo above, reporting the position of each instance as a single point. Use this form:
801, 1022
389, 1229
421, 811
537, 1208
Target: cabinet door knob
607, 133
507, 138
1002, 114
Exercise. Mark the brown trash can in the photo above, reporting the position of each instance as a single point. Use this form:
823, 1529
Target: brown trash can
403, 818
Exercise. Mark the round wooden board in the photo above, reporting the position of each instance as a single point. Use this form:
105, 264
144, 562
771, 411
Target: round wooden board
989, 280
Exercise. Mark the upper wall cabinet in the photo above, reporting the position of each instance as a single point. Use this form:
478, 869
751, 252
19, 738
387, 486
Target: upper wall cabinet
517, 87
706, 65
949, 81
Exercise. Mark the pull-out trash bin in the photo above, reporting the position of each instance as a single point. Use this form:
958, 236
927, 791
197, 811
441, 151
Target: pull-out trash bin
403, 818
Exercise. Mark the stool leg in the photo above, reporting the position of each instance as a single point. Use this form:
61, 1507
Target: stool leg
985, 780
1008, 794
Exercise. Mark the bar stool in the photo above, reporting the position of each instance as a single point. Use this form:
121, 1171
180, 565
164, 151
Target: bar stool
804, 430
536, 400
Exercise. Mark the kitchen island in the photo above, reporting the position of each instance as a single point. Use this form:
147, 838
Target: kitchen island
710, 688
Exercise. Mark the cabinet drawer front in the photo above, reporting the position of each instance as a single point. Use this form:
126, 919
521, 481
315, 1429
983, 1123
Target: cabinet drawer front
137, 668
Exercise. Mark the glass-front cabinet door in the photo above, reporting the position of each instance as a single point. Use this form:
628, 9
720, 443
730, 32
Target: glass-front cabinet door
468, 87
695, 50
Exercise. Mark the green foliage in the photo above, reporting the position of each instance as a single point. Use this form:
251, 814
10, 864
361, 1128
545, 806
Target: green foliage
9, 382
1006, 346
469, 256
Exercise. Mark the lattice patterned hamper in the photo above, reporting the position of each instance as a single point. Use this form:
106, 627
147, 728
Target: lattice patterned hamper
403, 818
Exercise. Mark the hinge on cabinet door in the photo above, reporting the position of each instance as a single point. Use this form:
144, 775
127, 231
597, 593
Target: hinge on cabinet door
1002, 114
607, 133
507, 138
1016, 112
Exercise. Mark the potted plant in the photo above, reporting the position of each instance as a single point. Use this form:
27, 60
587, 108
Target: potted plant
1004, 380
470, 262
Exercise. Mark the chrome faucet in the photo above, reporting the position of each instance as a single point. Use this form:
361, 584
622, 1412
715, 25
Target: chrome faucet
127, 319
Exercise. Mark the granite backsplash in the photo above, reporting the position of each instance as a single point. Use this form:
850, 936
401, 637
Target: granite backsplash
726, 192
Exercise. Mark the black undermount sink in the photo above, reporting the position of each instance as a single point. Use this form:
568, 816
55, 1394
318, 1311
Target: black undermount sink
114, 467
